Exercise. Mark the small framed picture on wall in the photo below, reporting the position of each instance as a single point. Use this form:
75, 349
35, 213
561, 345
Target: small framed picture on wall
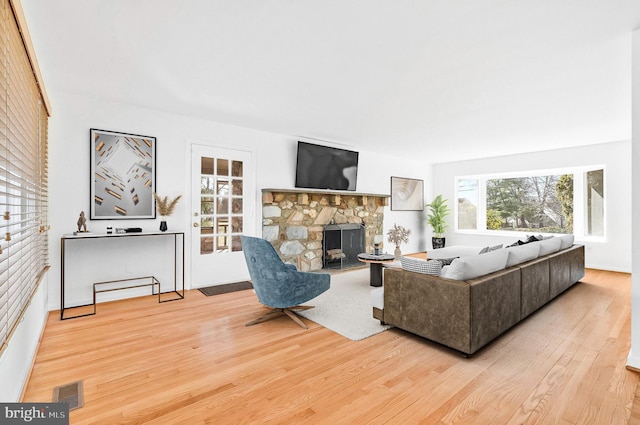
407, 194
123, 175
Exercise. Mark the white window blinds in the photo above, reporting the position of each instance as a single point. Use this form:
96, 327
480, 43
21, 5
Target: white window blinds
23, 176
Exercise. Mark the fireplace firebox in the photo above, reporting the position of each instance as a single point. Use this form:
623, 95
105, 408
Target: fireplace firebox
341, 244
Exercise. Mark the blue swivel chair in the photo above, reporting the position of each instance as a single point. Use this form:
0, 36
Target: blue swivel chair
278, 285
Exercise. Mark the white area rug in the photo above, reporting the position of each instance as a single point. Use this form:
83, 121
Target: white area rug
346, 307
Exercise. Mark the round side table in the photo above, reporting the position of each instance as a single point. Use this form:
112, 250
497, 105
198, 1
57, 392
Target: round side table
375, 266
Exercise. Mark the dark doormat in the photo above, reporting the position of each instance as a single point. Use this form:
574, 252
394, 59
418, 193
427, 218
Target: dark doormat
225, 289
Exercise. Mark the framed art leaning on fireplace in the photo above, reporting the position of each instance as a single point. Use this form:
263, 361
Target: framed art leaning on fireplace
123, 175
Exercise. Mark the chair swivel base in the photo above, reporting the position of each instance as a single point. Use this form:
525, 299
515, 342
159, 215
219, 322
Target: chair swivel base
277, 312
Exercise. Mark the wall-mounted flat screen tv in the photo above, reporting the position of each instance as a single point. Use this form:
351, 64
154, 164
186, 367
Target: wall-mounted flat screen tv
325, 167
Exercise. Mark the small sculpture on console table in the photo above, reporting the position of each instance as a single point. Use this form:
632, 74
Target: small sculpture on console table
82, 223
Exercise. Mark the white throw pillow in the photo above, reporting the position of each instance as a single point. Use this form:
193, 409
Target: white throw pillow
521, 253
472, 266
549, 246
566, 241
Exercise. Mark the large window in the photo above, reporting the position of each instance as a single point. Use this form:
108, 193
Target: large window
595, 203
23, 175
570, 201
468, 204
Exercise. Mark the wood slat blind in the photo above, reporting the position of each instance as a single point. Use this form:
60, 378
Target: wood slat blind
23, 177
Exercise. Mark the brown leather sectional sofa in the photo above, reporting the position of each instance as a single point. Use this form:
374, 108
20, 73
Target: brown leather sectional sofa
467, 315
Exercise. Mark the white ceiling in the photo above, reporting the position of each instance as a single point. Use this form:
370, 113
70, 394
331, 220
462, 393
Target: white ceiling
453, 79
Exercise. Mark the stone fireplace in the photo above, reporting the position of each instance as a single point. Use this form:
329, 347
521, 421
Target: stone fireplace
294, 222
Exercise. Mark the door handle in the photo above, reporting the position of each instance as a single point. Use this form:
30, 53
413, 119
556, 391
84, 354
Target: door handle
196, 225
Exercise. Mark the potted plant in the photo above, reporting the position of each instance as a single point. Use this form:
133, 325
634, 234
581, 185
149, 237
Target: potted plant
165, 208
438, 210
397, 235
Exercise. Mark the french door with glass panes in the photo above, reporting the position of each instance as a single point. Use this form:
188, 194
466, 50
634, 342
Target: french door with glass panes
223, 205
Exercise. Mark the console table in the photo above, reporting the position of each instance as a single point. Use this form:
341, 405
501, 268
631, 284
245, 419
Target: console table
127, 283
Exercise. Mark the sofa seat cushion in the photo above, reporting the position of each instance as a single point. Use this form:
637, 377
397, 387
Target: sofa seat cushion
377, 298
521, 253
472, 266
393, 265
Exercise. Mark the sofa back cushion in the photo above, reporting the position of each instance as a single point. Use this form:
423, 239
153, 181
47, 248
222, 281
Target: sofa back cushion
549, 246
566, 241
453, 251
489, 249
472, 266
419, 265
521, 253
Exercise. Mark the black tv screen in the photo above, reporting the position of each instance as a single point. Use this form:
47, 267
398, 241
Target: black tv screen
324, 167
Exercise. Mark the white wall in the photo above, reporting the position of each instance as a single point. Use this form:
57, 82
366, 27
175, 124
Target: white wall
634, 354
15, 362
385, 166
275, 159
611, 254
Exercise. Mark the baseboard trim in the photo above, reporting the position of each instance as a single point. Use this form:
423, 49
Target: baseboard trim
632, 369
33, 359
608, 269
633, 363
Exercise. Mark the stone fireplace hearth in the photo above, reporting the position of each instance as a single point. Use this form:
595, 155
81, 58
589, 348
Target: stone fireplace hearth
294, 220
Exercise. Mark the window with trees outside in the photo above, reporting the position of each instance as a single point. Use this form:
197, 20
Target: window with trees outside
570, 201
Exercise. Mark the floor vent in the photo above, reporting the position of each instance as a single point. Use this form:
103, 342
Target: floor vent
70, 394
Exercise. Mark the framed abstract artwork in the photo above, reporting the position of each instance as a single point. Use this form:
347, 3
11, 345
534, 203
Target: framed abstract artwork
407, 194
123, 175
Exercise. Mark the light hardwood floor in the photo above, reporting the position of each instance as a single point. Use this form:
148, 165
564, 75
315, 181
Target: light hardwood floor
194, 362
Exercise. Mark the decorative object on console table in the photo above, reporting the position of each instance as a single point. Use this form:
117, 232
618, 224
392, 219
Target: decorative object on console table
397, 235
165, 208
82, 223
438, 210
407, 194
123, 175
